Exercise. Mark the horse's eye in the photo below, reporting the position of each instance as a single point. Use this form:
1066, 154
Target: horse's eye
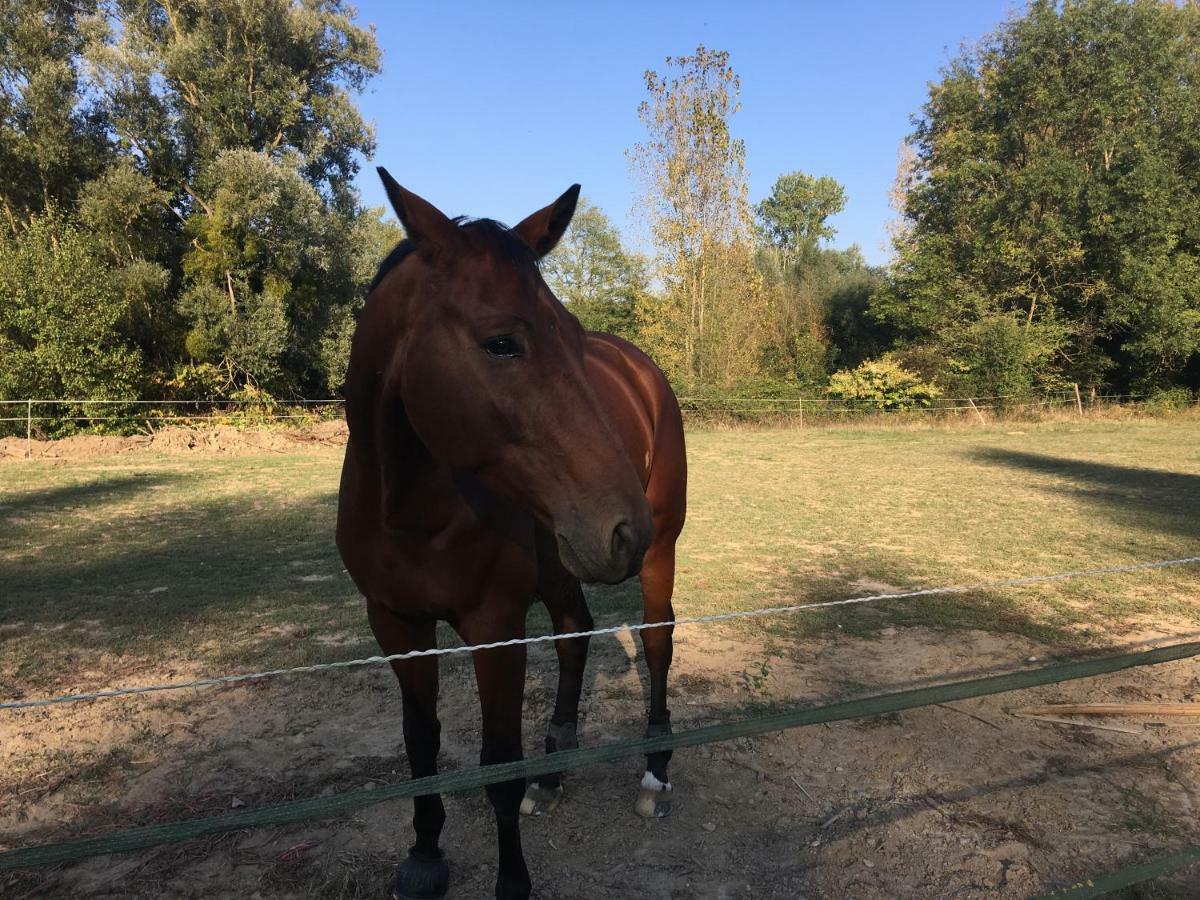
505, 347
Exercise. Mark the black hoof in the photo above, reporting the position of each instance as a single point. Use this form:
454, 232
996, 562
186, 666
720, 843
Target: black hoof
421, 877
513, 889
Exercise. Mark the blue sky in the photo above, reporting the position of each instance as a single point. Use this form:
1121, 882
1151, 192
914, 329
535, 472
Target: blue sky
493, 109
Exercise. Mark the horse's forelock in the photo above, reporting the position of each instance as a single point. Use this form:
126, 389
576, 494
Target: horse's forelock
498, 237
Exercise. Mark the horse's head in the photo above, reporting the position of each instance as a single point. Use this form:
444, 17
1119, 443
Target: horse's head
490, 366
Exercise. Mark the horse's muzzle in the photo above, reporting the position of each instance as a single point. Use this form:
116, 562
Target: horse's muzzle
610, 557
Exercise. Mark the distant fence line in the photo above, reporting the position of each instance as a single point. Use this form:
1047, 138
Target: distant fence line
40, 418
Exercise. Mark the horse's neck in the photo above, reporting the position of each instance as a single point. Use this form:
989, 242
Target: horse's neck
416, 490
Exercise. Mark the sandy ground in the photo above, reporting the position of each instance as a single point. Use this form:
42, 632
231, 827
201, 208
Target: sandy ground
226, 439
959, 801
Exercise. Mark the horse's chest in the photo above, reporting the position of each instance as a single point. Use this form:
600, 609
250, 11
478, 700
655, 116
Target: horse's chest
450, 573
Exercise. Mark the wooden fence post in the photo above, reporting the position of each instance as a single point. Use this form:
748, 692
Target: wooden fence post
28, 429
1078, 400
801, 412
978, 414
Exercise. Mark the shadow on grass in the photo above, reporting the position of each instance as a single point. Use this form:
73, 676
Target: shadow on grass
230, 583
1132, 496
85, 493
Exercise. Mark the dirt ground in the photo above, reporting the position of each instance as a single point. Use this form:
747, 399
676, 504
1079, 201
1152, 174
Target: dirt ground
958, 801
226, 439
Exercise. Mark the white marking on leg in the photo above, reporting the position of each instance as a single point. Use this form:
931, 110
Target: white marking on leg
652, 799
650, 783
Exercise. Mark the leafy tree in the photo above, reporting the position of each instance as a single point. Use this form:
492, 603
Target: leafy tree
129, 217
707, 325
848, 286
819, 296
590, 271
795, 216
51, 138
185, 80
60, 316
1054, 185
241, 111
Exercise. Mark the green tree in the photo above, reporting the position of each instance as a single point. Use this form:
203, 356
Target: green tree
795, 216
51, 138
708, 324
130, 219
1054, 185
242, 112
61, 313
592, 274
185, 80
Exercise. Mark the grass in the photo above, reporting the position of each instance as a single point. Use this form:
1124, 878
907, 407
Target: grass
196, 563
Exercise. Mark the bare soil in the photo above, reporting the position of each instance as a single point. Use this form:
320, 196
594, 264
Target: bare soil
220, 439
959, 801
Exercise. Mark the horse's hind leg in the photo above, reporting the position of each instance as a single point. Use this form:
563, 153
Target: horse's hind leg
563, 597
658, 584
424, 874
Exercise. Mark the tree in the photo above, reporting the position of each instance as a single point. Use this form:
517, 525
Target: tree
60, 316
812, 288
592, 274
51, 138
1054, 186
706, 325
184, 80
795, 216
241, 113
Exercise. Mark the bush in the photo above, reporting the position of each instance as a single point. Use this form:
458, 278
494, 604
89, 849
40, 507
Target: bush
1169, 400
61, 310
999, 356
881, 384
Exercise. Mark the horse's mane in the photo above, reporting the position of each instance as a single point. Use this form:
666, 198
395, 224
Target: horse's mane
496, 234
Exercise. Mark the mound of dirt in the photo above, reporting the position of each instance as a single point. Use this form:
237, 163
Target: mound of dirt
215, 439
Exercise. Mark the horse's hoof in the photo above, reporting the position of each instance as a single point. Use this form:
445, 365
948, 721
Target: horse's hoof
654, 798
540, 800
421, 877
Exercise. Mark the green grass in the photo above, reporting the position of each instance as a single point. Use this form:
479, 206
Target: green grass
211, 563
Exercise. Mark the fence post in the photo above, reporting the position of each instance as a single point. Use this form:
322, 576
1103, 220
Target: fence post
978, 414
1078, 400
801, 412
28, 429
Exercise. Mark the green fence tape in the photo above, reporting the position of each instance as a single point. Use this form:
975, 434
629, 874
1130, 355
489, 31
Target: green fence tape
468, 779
1105, 884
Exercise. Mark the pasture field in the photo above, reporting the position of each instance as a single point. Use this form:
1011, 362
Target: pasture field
138, 567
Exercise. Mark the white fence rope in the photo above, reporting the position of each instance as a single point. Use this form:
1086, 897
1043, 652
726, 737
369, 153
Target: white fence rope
615, 629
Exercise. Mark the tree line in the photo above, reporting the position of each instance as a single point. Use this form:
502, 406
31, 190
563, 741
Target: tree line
179, 217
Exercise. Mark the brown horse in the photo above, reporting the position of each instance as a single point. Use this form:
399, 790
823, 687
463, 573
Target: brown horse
498, 453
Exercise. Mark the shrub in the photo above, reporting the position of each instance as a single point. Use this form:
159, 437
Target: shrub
1169, 400
881, 384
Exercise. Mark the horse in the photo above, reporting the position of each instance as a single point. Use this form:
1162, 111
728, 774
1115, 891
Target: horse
500, 454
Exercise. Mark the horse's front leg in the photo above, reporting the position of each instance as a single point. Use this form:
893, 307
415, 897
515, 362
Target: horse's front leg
500, 676
658, 584
425, 873
560, 591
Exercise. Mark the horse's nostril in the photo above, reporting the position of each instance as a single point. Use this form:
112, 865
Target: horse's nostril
622, 538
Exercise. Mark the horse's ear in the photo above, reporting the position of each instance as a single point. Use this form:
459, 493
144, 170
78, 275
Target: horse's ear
423, 222
544, 228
